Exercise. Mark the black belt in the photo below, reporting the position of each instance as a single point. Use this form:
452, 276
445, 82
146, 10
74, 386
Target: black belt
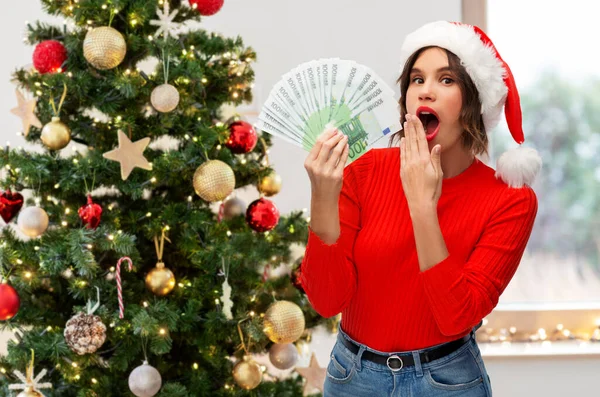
397, 362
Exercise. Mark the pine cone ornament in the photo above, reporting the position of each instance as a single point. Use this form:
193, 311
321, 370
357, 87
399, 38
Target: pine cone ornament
85, 333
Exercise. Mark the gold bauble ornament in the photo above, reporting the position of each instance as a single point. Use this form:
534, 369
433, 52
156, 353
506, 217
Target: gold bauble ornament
270, 185
165, 98
104, 47
30, 392
160, 280
284, 322
214, 181
33, 221
247, 374
56, 135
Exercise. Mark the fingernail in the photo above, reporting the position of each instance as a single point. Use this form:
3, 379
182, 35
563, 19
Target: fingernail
407, 116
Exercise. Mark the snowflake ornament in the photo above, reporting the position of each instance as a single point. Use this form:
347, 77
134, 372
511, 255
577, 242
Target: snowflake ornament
165, 23
30, 383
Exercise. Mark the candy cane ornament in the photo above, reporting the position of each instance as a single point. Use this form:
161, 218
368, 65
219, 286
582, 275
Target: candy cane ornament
119, 285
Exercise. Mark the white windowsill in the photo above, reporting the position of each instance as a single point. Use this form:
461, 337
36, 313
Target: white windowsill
547, 306
535, 349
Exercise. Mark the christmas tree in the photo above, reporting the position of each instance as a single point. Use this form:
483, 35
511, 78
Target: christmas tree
128, 264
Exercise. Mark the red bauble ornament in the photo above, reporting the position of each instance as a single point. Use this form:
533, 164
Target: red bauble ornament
90, 214
10, 205
207, 7
262, 215
295, 276
9, 302
242, 137
49, 56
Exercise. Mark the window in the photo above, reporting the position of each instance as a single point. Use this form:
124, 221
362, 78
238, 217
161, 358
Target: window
551, 52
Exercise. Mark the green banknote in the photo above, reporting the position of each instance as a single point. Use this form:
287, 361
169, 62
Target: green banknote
331, 92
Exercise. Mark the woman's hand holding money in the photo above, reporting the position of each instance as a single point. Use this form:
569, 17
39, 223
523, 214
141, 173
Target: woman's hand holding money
325, 167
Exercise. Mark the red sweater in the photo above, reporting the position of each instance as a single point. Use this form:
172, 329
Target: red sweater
372, 276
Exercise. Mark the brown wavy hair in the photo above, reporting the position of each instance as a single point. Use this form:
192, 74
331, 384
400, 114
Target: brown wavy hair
474, 134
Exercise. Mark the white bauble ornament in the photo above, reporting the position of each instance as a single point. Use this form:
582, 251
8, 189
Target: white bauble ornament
165, 98
145, 380
33, 221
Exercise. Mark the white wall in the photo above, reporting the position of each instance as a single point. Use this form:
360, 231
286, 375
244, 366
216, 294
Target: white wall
288, 33
284, 34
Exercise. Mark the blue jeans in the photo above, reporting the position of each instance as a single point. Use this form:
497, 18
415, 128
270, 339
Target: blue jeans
461, 373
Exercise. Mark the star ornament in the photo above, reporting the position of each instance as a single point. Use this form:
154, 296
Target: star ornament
129, 154
25, 110
314, 375
165, 22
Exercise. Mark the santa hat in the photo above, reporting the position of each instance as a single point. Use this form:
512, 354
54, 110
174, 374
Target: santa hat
495, 84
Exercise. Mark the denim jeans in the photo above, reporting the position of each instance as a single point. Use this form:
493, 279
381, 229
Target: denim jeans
461, 373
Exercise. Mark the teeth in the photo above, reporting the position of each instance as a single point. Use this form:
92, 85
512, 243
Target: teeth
425, 113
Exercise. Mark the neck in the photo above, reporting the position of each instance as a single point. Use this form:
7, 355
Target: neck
455, 160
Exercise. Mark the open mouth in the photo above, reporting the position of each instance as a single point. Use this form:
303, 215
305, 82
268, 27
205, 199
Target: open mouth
430, 121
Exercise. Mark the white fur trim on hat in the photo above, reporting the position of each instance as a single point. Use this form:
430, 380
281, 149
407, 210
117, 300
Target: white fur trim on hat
518, 167
479, 60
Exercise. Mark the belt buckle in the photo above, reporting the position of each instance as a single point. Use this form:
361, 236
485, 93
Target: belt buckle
398, 358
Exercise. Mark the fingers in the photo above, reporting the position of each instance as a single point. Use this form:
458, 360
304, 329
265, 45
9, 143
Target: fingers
436, 159
314, 152
421, 136
329, 146
337, 151
339, 168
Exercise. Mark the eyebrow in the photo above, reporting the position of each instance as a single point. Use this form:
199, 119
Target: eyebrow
443, 69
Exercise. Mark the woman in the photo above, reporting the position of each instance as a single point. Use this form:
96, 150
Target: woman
414, 245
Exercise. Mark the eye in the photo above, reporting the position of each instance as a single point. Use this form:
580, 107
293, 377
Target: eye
447, 80
417, 80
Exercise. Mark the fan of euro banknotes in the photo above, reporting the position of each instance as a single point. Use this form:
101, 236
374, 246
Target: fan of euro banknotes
331, 93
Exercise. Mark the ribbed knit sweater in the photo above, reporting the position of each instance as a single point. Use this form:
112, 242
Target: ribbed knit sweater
371, 273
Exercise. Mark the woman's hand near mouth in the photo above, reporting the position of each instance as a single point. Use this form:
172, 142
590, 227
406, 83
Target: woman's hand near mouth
420, 170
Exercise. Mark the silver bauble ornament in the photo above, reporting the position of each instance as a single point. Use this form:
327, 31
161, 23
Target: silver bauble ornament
145, 380
33, 221
165, 98
283, 356
233, 207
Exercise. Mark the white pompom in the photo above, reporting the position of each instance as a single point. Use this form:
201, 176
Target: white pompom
519, 167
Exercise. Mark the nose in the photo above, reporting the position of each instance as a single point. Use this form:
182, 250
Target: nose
426, 92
